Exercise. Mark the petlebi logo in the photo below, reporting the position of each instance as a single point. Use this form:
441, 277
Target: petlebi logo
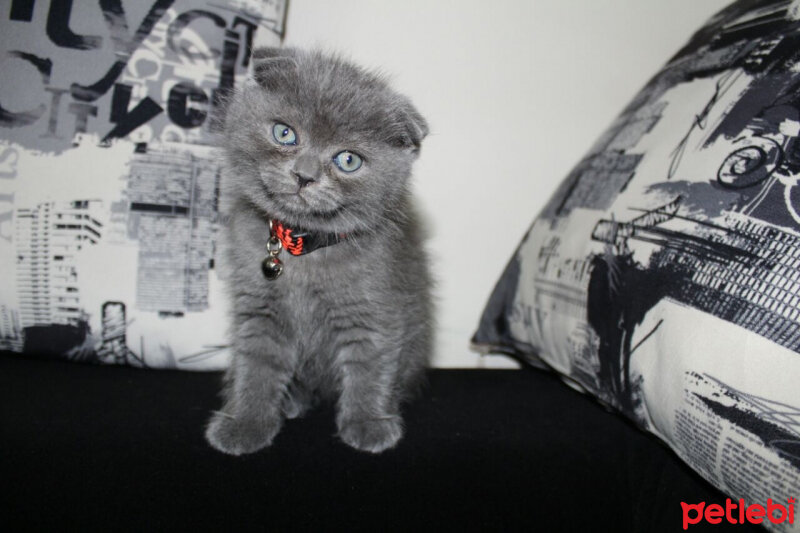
738, 513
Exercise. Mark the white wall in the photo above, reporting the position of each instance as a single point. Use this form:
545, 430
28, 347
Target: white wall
515, 92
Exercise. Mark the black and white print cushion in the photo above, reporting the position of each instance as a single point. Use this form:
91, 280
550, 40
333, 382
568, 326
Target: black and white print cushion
663, 276
109, 178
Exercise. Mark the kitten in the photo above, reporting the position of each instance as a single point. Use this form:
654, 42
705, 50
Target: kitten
320, 147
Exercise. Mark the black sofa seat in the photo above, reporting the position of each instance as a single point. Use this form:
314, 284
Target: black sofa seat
94, 448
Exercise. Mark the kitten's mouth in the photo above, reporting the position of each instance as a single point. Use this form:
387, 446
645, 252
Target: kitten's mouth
297, 204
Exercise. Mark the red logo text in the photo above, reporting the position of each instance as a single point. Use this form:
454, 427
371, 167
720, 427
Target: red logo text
738, 513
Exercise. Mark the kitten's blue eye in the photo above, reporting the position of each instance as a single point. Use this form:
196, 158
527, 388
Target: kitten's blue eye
348, 161
284, 134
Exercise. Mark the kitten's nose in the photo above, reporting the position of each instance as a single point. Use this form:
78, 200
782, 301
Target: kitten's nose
303, 179
307, 169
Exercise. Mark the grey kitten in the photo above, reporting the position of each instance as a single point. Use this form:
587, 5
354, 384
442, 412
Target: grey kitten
323, 148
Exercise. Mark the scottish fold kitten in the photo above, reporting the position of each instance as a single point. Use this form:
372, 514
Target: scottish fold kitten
319, 155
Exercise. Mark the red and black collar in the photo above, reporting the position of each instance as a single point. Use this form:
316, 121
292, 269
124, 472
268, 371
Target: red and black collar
300, 242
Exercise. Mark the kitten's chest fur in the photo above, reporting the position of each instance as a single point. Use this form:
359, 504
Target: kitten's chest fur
333, 300
326, 290
333, 296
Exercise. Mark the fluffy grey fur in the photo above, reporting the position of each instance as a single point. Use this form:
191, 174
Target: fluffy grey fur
350, 322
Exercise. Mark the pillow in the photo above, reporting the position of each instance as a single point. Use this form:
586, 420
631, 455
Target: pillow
109, 176
663, 276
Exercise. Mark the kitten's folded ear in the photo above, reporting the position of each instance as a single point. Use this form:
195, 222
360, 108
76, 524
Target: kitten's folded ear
415, 128
269, 65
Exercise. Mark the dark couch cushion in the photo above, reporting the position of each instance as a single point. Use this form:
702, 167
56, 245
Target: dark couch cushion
96, 448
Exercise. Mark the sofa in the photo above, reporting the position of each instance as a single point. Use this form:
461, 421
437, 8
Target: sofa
98, 448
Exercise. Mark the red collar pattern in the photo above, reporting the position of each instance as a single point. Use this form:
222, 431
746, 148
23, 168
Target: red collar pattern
300, 242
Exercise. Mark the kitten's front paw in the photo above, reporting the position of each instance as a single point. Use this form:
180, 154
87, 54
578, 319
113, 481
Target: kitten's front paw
237, 436
374, 435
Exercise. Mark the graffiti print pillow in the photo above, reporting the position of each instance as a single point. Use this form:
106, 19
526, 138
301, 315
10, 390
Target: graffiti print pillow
664, 275
109, 178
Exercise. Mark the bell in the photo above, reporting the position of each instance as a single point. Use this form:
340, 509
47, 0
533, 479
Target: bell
271, 267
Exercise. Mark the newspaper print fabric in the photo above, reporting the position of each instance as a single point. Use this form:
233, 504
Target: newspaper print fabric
664, 274
109, 177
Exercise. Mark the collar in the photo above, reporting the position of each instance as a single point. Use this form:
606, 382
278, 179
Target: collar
300, 242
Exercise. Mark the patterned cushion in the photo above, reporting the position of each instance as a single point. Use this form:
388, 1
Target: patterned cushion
663, 276
109, 177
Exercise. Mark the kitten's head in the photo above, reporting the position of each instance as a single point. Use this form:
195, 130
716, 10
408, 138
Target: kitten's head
319, 143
